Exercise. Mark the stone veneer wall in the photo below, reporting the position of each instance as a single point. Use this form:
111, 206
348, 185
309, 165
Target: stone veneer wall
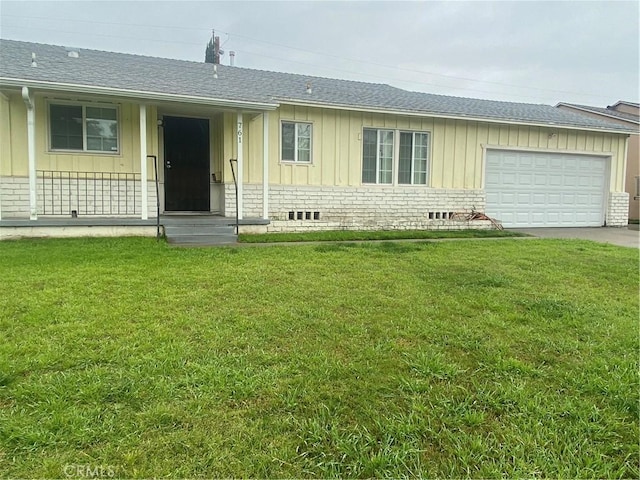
100, 198
359, 208
14, 197
617, 209
338, 207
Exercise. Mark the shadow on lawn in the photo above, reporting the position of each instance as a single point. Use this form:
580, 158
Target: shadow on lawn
384, 247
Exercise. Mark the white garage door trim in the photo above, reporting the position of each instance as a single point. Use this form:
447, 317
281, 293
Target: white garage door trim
533, 188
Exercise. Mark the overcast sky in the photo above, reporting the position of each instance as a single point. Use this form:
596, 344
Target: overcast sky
534, 52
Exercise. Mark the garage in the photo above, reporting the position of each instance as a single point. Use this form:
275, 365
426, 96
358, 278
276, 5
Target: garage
538, 189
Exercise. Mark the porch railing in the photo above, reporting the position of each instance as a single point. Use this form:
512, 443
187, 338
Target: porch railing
69, 193
157, 184
235, 183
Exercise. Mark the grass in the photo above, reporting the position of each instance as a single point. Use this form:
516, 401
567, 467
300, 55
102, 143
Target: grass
350, 235
457, 359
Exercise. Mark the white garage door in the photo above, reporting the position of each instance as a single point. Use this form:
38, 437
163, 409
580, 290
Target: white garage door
531, 189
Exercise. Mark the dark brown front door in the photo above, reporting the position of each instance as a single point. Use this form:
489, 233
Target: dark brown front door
186, 164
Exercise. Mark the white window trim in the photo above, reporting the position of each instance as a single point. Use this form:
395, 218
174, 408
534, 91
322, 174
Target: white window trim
295, 161
84, 106
395, 166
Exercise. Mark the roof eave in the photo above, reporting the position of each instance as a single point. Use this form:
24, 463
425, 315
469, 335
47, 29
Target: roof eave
411, 113
239, 104
136, 94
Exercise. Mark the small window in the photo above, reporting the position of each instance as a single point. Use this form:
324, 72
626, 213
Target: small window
296, 142
83, 128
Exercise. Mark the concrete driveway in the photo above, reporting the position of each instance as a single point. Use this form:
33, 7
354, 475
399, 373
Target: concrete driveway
623, 236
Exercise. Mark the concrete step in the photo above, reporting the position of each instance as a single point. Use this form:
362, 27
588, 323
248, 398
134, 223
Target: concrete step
172, 230
203, 240
203, 230
208, 220
196, 220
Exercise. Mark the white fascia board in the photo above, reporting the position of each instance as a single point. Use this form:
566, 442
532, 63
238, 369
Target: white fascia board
408, 113
135, 94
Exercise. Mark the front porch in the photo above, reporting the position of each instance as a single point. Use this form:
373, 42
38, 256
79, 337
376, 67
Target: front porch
164, 157
203, 229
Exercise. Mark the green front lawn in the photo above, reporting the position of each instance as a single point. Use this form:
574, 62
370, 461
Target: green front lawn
365, 235
457, 359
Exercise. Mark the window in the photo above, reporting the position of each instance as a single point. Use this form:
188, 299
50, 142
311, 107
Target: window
83, 128
412, 165
379, 157
296, 142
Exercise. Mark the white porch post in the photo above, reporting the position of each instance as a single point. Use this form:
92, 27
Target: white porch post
143, 163
5, 99
240, 165
31, 141
31, 152
265, 165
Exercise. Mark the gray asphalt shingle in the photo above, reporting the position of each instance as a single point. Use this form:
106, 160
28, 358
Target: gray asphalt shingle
179, 77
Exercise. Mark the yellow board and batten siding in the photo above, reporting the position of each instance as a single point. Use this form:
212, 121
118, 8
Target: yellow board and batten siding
456, 151
6, 136
14, 126
13, 115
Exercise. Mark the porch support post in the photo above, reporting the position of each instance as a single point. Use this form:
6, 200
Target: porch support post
31, 152
265, 165
240, 165
3, 98
144, 194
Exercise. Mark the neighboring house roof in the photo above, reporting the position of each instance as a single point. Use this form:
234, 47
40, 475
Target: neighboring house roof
150, 77
609, 111
623, 102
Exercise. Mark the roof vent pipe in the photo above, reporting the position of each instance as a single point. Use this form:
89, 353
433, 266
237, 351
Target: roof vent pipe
215, 71
309, 90
232, 57
33, 60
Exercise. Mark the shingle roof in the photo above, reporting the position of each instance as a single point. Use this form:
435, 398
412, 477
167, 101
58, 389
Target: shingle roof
628, 117
128, 72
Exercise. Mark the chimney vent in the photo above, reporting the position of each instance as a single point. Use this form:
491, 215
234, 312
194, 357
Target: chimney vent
309, 90
33, 60
232, 57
